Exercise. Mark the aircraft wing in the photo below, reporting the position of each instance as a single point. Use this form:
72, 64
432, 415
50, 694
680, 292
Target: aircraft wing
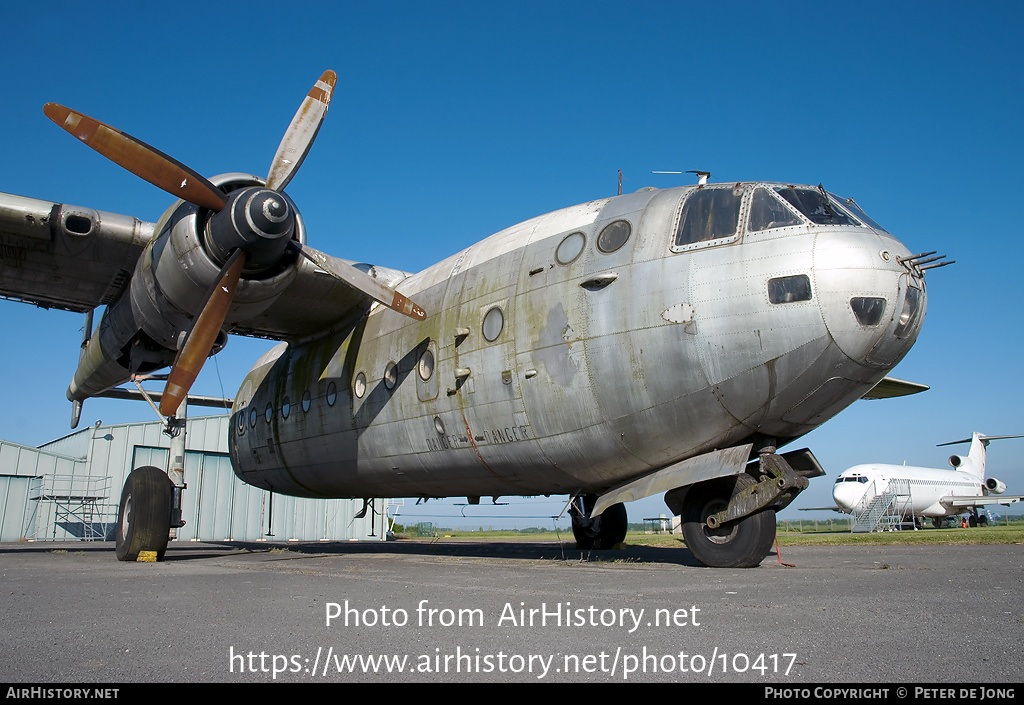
976, 501
890, 387
58, 256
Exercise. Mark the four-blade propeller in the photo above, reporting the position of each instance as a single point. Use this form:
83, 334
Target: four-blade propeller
267, 222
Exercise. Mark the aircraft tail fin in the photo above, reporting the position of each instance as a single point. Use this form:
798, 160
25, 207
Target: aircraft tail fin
974, 463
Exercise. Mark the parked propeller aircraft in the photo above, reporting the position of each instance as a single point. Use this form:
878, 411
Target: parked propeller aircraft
931, 492
664, 340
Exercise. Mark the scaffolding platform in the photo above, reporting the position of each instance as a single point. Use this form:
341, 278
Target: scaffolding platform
79, 505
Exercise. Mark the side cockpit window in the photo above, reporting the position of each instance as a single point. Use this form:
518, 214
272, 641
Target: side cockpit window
767, 212
708, 214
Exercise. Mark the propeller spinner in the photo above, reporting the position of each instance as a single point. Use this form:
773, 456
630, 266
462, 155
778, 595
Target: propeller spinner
249, 230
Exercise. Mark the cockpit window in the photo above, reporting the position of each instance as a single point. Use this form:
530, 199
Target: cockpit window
912, 310
815, 205
767, 212
858, 212
709, 214
868, 309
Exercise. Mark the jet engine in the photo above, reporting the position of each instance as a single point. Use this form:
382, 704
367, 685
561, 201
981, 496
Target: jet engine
959, 462
994, 486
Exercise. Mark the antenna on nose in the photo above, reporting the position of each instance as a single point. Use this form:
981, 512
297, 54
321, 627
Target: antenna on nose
702, 176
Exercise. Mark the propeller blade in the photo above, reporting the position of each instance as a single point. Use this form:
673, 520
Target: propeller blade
362, 282
138, 157
203, 335
299, 136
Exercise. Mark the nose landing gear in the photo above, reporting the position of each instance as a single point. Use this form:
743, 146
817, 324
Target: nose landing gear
144, 515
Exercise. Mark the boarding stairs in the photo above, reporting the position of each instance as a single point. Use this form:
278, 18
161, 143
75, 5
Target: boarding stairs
889, 510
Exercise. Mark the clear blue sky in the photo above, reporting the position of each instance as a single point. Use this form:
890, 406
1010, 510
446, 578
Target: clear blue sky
453, 120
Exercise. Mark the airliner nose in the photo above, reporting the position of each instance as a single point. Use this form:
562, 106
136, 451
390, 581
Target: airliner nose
847, 494
872, 304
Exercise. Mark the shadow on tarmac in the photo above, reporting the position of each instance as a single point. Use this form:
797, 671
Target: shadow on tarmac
500, 549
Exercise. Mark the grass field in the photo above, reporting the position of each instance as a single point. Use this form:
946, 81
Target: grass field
1013, 534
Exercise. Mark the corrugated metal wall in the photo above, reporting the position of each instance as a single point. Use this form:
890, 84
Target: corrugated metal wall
216, 505
20, 468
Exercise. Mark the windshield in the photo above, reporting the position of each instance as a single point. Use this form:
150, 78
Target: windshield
767, 212
708, 214
851, 205
814, 204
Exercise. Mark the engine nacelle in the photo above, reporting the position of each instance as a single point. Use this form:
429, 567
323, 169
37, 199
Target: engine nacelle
994, 486
959, 462
143, 330
175, 274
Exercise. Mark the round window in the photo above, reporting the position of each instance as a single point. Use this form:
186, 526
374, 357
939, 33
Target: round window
286, 407
570, 248
494, 321
306, 400
332, 394
613, 236
253, 415
360, 385
269, 412
426, 366
391, 376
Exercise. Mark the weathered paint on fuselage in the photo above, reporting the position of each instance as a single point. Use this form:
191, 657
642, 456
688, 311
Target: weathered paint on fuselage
605, 368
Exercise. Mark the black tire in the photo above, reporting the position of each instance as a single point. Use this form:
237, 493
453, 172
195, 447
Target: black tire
144, 516
743, 543
605, 531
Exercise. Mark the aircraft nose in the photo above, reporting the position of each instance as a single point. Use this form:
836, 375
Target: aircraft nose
872, 304
847, 494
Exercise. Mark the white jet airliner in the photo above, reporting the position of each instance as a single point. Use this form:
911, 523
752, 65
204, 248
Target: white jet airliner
933, 493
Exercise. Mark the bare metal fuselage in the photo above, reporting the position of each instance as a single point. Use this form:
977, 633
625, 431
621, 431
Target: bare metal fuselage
547, 365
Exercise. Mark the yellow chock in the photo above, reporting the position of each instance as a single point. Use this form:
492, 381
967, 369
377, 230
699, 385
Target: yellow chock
146, 557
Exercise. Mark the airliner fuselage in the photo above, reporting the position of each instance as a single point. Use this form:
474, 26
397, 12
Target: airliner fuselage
928, 487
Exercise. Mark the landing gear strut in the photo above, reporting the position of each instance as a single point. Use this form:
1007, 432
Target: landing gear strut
144, 516
605, 531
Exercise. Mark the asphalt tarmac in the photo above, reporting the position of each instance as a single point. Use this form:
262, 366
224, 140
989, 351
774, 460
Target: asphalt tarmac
432, 612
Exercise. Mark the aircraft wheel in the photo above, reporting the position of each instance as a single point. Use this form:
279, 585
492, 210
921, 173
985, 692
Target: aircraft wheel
743, 543
938, 523
972, 521
983, 520
144, 516
605, 531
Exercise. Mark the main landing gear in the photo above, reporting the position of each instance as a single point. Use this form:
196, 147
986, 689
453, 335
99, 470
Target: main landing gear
742, 543
729, 521
144, 516
605, 531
